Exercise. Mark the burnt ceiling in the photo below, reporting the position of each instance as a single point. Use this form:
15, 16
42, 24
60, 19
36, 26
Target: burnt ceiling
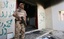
45, 3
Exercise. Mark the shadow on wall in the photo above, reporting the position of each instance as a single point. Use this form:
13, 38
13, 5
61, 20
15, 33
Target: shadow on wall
48, 3
51, 3
45, 3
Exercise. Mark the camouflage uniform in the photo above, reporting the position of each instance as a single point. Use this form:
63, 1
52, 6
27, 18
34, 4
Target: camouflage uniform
20, 28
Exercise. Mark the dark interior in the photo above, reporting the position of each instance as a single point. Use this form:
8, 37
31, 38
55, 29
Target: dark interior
31, 10
31, 15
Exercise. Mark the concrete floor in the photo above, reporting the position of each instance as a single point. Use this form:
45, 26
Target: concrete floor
58, 34
55, 34
33, 35
30, 27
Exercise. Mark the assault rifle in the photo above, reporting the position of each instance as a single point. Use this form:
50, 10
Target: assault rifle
22, 21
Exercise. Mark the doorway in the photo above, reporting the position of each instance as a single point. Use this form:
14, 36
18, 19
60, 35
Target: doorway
31, 19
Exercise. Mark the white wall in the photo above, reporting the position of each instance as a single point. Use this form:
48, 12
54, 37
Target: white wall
7, 23
41, 17
52, 17
48, 18
57, 24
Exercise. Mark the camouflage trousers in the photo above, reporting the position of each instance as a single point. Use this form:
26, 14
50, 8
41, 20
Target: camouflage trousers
19, 31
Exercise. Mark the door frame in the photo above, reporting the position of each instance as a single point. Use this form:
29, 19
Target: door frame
36, 20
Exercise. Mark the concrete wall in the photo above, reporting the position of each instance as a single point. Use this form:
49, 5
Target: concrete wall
57, 24
52, 17
7, 23
48, 17
41, 17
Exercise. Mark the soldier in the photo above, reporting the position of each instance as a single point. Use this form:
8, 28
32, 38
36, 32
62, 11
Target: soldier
20, 27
